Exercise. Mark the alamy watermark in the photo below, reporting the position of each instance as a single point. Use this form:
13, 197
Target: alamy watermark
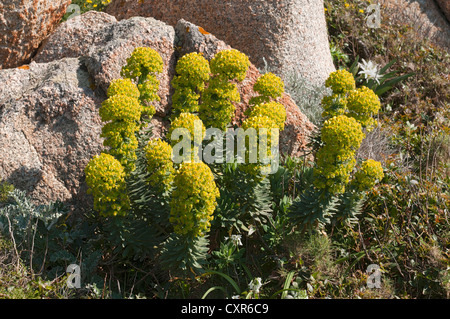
374, 279
246, 146
74, 279
374, 16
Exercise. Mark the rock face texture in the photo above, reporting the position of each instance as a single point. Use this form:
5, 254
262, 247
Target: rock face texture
49, 128
49, 122
24, 24
106, 44
445, 7
291, 35
426, 16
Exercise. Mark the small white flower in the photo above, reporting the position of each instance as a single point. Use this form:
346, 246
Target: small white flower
236, 297
370, 71
251, 230
236, 239
255, 285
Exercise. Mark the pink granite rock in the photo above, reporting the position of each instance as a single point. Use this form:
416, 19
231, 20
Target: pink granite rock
289, 34
24, 24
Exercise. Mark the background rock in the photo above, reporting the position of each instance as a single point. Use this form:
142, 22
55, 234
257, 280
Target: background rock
291, 35
423, 15
74, 37
49, 129
24, 24
445, 7
106, 44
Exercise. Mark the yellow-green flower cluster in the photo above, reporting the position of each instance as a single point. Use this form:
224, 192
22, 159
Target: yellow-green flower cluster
334, 105
105, 177
333, 170
123, 87
269, 86
230, 64
217, 106
121, 139
121, 108
149, 92
187, 121
159, 163
342, 136
142, 67
340, 81
265, 113
194, 199
342, 132
193, 71
123, 113
196, 130
362, 105
368, 174
143, 61
260, 123
273, 110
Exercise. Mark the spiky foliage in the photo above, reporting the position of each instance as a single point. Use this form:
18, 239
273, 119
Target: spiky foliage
184, 255
244, 200
313, 208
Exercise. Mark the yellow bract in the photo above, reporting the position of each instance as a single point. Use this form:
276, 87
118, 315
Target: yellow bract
105, 177
269, 85
230, 64
123, 87
273, 110
340, 81
342, 136
142, 61
369, 173
159, 163
193, 199
363, 104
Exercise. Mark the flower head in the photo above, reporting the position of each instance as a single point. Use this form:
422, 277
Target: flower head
369, 173
273, 110
105, 177
230, 64
123, 87
370, 71
142, 61
235, 239
255, 285
193, 199
340, 81
363, 104
269, 85
159, 163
